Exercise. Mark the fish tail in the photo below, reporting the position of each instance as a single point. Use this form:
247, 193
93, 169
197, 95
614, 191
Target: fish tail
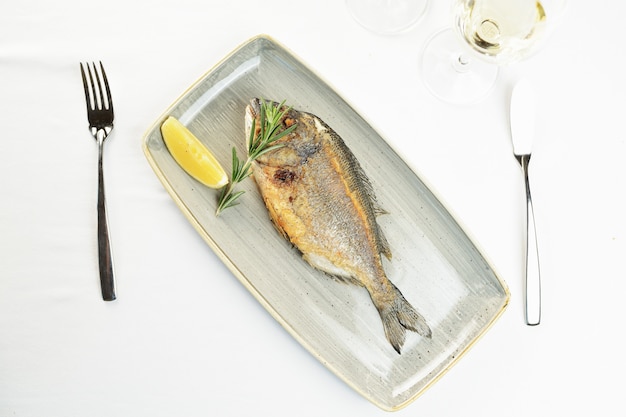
397, 316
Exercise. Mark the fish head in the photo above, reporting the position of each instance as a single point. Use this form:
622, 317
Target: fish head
296, 147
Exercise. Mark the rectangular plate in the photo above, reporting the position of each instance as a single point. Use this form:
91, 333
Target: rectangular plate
435, 265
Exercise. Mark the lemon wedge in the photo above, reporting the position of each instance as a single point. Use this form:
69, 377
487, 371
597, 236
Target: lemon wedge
192, 155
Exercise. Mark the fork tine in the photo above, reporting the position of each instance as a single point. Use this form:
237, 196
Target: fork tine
106, 86
94, 96
92, 91
86, 86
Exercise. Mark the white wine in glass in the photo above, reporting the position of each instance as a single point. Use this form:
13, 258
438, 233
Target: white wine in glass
502, 30
460, 65
387, 17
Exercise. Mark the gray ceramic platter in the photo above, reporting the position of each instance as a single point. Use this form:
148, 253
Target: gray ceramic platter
435, 265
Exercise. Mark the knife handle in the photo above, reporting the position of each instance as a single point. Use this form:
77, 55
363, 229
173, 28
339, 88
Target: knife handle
533, 276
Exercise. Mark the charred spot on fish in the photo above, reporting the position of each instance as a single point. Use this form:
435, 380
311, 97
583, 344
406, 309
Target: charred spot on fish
284, 176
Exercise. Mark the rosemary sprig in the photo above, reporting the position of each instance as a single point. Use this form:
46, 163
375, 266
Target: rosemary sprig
257, 144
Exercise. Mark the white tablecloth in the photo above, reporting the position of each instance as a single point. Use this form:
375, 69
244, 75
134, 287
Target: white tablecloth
185, 338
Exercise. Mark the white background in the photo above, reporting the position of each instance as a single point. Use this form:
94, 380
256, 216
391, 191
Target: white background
185, 338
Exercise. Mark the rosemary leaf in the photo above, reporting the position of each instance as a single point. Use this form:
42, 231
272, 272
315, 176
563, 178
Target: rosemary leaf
268, 149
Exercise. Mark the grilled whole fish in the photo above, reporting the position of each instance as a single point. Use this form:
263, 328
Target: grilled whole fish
319, 198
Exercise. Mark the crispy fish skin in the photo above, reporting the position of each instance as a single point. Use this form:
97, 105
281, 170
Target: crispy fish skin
319, 198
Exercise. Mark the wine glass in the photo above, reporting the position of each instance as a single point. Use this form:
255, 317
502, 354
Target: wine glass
461, 65
387, 17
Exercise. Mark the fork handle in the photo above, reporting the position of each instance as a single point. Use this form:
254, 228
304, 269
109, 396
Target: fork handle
533, 277
105, 261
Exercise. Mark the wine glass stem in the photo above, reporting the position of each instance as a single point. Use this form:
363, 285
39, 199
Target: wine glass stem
461, 63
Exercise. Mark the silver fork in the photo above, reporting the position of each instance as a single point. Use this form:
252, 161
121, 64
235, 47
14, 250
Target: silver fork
100, 116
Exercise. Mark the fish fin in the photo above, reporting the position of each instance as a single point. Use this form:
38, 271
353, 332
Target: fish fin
275, 219
397, 316
382, 244
378, 210
279, 228
345, 279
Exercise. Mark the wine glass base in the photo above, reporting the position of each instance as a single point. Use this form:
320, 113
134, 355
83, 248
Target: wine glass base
387, 17
452, 74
